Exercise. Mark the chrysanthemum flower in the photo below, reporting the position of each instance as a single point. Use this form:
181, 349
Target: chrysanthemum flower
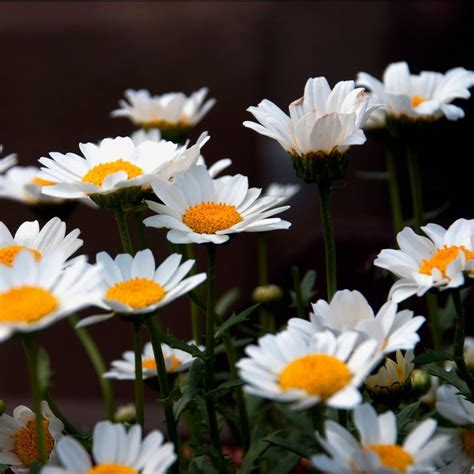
349, 310
35, 294
18, 438
441, 261
7, 161
39, 242
176, 360
288, 367
199, 209
133, 285
455, 408
115, 451
378, 451
393, 372
424, 96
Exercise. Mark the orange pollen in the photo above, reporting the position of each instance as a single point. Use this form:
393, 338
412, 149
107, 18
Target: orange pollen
173, 364
8, 254
136, 292
26, 304
317, 374
42, 182
97, 174
416, 100
166, 125
112, 469
26, 447
392, 455
211, 217
467, 437
442, 258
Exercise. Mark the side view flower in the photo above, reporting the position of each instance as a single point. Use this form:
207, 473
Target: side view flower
392, 372
7, 161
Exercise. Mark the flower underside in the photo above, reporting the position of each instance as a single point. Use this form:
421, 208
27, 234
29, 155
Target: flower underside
8, 254
392, 456
150, 364
97, 174
211, 217
136, 292
467, 437
111, 469
26, 447
416, 100
442, 258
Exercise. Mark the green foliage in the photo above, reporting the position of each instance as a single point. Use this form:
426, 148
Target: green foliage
307, 289
234, 320
173, 341
432, 356
44, 370
226, 301
450, 377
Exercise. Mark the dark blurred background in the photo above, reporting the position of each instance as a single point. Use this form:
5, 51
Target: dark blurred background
65, 66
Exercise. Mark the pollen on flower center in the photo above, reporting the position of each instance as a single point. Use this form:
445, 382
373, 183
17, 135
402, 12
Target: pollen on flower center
467, 437
211, 217
392, 456
42, 182
8, 254
26, 447
26, 304
317, 374
416, 100
111, 469
136, 292
97, 174
173, 364
442, 258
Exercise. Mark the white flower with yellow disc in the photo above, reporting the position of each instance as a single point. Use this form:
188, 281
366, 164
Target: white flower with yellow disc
199, 209
442, 260
7, 161
115, 451
288, 367
18, 438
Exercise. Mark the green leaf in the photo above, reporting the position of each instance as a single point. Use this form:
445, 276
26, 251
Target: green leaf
450, 377
447, 315
307, 289
432, 356
235, 319
190, 388
235, 343
372, 175
254, 454
44, 370
430, 215
225, 387
179, 344
286, 463
407, 415
35, 469
201, 465
227, 300
297, 448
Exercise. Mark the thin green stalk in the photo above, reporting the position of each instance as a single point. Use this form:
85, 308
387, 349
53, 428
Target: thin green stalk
69, 427
139, 399
121, 220
195, 316
154, 332
415, 185
435, 327
394, 189
29, 342
329, 240
138, 217
317, 414
295, 274
98, 363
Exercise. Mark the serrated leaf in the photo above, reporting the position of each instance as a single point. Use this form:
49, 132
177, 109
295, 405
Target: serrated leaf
447, 315
44, 370
450, 377
286, 463
297, 448
432, 356
253, 455
235, 343
176, 343
227, 300
307, 289
373, 175
190, 388
234, 320
407, 415
226, 386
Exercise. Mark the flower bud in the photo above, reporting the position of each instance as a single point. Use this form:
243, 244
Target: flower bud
3, 407
420, 382
267, 293
126, 414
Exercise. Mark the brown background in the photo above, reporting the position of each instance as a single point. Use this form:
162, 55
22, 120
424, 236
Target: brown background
65, 66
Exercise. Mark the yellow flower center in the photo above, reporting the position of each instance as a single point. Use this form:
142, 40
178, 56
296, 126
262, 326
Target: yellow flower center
8, 254
26, 304
42, 182
97, 174
442, 258
112, 469
26, 447
137, 292
317, 374
150, 364
416, 100
210, 217
165, 125
467, 437
392, 456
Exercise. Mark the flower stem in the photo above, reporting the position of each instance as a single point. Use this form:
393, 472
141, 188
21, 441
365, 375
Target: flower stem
29, 341
295, 273
415, 185
69, 427
98, 363
137, 346
195, 316
317, 414
121, 220
329, 241
394, 189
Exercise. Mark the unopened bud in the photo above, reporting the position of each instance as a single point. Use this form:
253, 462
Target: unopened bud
126, 414
420, 381
3, 407
267, 293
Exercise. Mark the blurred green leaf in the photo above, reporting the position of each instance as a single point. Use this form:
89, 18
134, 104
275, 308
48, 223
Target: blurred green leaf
176, 343
297, 448
234, 320
227, 300
257, 448
372, 175
450, 377
447, 315
190, 388
407, 415
307, 289
432, 356
44, 370
286, 463
430, 215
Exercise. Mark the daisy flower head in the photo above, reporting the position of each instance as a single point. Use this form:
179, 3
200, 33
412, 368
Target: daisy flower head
327, 369
141, 135
7, 161
199, 209
18, 438
349, 310
35, 294
135, 286
441, 260
115, 451
176, 361
425, 96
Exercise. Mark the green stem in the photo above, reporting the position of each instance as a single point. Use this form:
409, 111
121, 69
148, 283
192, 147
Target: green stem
154, 332
69, 427
317, 414
98, 363
137, 346
138, 217
415, 185
435, 327
394, 189
121, 220
295, 274
329, 241
31, 349
195, 316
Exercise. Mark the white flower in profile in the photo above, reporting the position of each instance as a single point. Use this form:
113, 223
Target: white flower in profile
322, 121
377, 450
141, 135
115, 451
39, 242
441, 261
393, 372
283, 191
35, 295
288, 367
349, 310
455, 408
176, 361
424, 96
115, 164
18, 439
7, 161
199, 209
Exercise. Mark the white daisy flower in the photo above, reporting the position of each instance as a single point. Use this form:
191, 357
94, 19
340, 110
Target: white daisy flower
288, 367
393, 372
176, 360
7, 161
199, 209
349, 310
34, 295
441, 261
114, 164
18, 438
165, 111
377, 450
141, 135
133, 285
424, 96
455, 408
115, 451
283, 191
39, 242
